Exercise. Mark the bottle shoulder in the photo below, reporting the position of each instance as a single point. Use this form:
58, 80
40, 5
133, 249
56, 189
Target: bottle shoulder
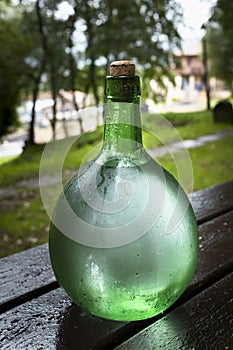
113, 158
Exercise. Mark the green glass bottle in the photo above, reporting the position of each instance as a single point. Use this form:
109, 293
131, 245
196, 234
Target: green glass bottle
123, 238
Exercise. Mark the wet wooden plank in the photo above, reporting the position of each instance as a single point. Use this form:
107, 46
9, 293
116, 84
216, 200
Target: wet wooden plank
52, 322
47, 321
215, 251
205, 322
212, 201
29, 273
22, 273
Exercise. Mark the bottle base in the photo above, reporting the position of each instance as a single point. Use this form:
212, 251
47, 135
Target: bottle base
135, 308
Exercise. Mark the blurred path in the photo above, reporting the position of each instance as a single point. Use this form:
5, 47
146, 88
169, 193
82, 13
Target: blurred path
157, 152
13, 143
193, 103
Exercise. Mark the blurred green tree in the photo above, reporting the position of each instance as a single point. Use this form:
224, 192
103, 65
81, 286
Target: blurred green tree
12, 54
54, 42
35, 62
71, 49
47, 57
220, 41
142, 30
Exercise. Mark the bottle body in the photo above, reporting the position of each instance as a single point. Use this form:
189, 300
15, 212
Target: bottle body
131, 280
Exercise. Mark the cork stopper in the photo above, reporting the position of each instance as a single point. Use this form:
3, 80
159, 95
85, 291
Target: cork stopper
126, 68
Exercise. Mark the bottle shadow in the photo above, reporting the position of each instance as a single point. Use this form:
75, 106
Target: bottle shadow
83, 331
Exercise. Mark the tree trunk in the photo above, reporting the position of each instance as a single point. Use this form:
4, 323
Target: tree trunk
54, 97
72, 67
206, 74
93, 81
38, 78
31, 138
94, 87
54, 119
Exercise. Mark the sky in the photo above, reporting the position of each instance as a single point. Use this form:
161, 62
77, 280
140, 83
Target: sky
195, 13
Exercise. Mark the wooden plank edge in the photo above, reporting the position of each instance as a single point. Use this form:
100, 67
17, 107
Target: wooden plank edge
223, 193
21, 299
214, 215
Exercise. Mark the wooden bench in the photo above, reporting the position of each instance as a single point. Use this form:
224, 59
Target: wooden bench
37, 314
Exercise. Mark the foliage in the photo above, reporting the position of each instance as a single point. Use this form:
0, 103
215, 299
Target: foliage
79, 43
220, 41
11, 71
144, 31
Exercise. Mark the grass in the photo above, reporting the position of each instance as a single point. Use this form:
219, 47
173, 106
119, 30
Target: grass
211, 164
179, 125
24, 222
7, 159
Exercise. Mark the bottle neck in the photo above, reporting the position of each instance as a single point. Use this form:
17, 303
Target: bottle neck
122, 130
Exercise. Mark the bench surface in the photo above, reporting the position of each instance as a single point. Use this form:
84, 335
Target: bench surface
37, 314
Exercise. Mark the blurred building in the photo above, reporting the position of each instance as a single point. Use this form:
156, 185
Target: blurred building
189, 76
189, 72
